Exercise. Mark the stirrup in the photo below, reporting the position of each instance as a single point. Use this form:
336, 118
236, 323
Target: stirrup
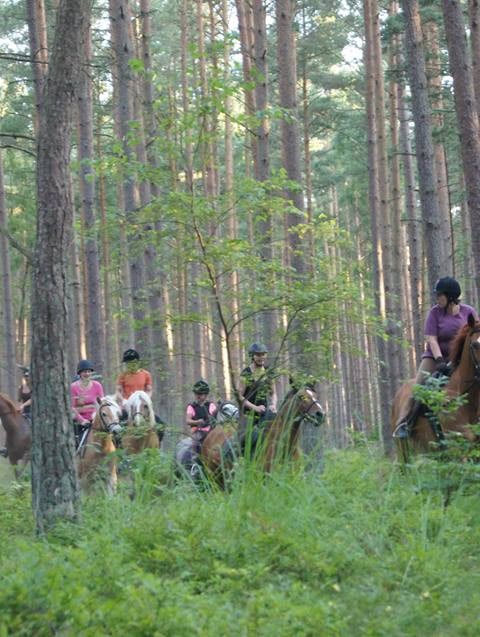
402, 431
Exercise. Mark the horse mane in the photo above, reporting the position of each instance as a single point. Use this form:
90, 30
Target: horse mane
111, 401
456, 348
133, 403
10, 403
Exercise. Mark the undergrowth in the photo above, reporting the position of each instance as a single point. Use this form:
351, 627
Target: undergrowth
362, 548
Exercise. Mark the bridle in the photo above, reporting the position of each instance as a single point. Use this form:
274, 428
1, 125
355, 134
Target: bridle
310, 418
109, 427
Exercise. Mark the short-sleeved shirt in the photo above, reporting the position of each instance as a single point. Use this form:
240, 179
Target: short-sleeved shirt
87, 395
134, 381
444, 326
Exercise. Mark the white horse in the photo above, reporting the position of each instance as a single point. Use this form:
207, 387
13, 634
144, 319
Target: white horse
140, 433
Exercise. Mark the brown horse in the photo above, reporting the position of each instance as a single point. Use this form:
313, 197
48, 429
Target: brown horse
140, 433
19, 435
281, 438
97, 454
465, 380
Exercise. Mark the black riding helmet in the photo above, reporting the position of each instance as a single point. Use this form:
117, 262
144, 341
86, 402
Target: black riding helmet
257, 348
201, 387
130, 355
450, 287
83, 365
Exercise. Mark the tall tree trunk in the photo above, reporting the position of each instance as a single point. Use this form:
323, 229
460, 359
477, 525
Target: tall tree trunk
244, 16
432, 223
55, 492
467, 117
430, 30
262, 154
8, 358
123, 47
37, 33
374, 197
154, 273
474, 19
290, 132
95, 322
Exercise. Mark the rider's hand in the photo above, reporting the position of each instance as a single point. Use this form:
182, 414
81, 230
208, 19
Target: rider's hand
442, 365
260, 409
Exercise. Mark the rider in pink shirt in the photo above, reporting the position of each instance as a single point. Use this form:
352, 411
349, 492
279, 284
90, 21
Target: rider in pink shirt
84, 393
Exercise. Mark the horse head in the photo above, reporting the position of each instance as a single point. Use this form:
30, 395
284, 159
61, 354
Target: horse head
107, 416
308, 407
140, 410
227, 412
465, 349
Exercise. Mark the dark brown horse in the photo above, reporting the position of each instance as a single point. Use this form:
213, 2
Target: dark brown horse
465, 380
19, 436
281, 439
97, 454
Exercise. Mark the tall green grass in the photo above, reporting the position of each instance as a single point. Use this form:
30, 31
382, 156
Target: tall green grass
360, 549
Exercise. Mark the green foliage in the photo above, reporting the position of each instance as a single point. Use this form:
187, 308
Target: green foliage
433, 395
361, 550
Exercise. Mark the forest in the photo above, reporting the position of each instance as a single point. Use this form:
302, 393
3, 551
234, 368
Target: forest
186, 178
295, 173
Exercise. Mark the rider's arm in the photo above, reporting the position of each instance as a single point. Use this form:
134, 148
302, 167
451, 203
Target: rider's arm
148, 383
27, 403
244, 401
190, 420
272, 403
434, 346
119, 393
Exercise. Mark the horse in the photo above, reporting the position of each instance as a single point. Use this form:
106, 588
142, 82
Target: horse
280, 441
19, 436
464, 380
141, 431
98, 448
227, 412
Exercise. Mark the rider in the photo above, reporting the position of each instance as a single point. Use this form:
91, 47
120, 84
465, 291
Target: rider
135, 378
25, 394
443, 321
84, 393
200, 416
256, 392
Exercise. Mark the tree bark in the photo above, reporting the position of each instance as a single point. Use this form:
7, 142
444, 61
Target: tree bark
467, 117
95, 333
9, 357
432, 224
55, 492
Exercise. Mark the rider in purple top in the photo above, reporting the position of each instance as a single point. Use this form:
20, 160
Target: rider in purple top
442, 323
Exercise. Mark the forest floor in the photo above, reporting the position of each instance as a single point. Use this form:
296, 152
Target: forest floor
359, 549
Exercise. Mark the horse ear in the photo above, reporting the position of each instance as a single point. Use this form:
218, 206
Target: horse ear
471, 320
99, 400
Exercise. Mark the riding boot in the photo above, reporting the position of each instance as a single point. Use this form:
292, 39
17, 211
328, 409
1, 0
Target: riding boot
4, 452
405, 426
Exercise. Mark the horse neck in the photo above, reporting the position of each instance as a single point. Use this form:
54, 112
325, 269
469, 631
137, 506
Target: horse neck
9, 416
465, 369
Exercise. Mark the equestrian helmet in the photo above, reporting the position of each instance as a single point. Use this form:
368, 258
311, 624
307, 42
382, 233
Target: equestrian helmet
83, 365
450, 287
257, 348
201, 387
130, 355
